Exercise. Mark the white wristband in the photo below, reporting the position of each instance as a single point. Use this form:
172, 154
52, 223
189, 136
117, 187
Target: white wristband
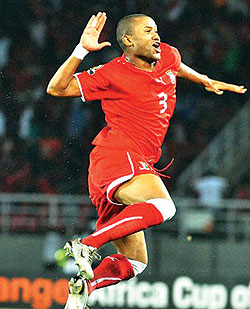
80, 52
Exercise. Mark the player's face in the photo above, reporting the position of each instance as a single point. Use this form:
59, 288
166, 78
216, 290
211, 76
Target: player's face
146, 40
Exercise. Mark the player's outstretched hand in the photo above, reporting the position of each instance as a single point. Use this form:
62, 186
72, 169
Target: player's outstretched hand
218, 87
92, 31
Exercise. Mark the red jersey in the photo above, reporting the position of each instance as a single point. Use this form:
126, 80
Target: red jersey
137, 104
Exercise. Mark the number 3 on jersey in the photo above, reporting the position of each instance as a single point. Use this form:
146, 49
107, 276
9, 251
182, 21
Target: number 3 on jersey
163, 96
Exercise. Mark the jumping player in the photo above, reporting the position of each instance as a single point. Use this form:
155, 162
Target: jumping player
138, 95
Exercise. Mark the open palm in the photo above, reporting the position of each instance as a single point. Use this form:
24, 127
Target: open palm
92, 31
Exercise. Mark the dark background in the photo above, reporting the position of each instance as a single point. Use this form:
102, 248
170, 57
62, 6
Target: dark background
45, 141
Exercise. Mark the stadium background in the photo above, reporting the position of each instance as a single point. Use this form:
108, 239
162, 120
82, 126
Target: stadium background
45, 142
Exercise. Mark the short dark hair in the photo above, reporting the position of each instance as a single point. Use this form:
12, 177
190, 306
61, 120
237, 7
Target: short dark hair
125, 26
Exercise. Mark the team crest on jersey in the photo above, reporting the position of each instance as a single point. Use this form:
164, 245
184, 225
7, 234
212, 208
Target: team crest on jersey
171, 76
144, 166
92, 71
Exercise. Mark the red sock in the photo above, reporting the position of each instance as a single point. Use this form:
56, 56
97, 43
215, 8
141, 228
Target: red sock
112, 270
132, 219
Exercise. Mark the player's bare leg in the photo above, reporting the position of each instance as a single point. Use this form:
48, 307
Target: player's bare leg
134, 191
141, 188
133, 247
148, 203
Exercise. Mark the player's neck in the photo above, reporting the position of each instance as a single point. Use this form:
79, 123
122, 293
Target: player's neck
141, 63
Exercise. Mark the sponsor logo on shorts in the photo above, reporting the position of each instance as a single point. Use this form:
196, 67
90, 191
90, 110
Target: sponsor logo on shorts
144, 166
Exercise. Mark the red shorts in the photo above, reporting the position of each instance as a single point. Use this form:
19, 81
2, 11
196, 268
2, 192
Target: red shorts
108, 169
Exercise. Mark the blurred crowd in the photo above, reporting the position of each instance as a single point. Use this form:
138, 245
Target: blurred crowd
45, 141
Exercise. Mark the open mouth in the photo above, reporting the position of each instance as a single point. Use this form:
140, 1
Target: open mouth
156, 46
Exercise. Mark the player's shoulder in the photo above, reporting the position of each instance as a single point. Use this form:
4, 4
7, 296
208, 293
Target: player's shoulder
167, 48
96, 68
170, 56
108, 66
101, 70
115, 62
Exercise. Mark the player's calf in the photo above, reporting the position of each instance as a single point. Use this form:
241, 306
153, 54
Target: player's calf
138, 266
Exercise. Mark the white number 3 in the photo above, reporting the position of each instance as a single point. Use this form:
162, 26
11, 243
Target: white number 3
163, 102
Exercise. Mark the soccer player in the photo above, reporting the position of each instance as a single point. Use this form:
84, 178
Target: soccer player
137, 93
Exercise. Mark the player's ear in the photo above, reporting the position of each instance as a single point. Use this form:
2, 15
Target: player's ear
127, 40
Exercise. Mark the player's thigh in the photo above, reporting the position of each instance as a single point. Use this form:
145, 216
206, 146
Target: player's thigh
140, 189
133, 247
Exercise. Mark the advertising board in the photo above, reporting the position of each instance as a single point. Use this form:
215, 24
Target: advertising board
182, 292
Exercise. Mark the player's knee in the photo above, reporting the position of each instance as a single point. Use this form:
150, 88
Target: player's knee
138, 266
165, 206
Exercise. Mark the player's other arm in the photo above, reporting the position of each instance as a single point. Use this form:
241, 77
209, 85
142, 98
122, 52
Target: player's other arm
210, 84
63, 83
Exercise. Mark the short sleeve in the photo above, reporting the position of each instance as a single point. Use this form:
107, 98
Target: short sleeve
177, 57
170, 57
92, 83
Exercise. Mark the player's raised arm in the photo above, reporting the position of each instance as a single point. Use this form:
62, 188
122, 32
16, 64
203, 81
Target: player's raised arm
63, 83
209, 84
